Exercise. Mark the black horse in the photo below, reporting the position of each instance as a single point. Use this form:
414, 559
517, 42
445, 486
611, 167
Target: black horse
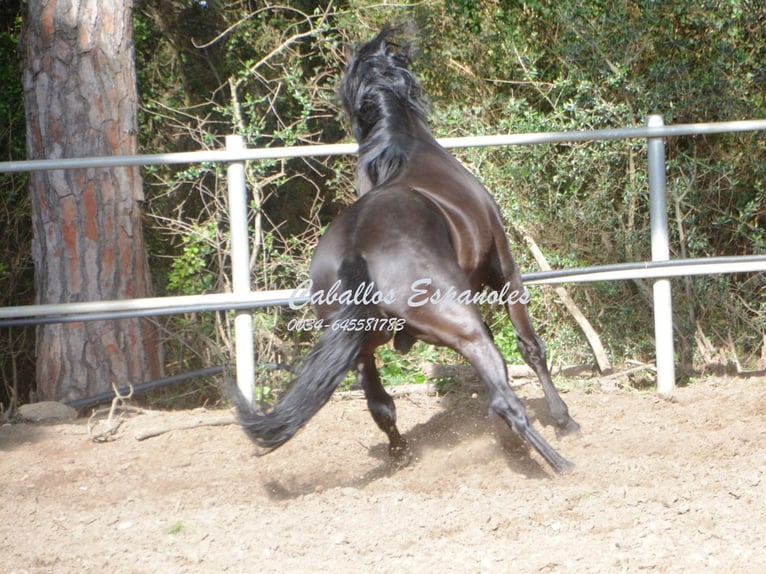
408, 260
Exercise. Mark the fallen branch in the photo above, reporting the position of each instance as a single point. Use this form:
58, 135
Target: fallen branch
590, 333
437, 371
466, 379
644, 367
428, 389
221, 421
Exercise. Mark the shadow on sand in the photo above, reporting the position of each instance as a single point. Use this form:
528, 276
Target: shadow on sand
462, 419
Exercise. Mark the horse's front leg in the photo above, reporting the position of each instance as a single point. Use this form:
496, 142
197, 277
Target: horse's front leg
530, 345
533, 352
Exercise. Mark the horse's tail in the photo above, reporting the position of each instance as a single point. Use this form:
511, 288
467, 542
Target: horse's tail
322, 371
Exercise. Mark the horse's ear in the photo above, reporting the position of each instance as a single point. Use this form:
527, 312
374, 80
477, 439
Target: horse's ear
348, 52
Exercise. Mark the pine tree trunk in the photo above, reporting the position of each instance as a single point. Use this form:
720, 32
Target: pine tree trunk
80, 95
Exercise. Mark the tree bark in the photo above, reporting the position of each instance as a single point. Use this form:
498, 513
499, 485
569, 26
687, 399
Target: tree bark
81, 100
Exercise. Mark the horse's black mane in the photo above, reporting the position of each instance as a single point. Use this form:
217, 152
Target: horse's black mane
383, 99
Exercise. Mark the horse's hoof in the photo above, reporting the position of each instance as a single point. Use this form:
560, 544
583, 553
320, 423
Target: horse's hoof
568, 428
400, 454
565, 467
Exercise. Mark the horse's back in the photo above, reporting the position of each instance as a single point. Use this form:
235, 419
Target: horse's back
396, 229
384, 219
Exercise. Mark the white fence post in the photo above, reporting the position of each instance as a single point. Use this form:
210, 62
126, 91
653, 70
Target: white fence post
658, 214
240, 268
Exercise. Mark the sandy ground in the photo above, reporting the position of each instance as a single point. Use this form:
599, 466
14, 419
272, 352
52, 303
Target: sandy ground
660, 485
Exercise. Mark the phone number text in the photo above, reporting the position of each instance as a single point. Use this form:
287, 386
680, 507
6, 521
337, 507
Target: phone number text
370, 324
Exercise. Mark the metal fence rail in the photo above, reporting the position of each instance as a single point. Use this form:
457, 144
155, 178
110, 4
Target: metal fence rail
24, 315
243, 299
244, 154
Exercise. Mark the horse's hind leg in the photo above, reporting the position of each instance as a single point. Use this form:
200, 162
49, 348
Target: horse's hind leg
461, 328
489, 363
380, 404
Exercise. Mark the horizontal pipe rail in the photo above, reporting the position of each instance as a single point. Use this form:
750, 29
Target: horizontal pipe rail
351, 148
143, 387
651, 270
155, 306
149, 305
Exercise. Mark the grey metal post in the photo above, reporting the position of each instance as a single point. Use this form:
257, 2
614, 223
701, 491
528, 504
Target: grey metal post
240, 268
658, 214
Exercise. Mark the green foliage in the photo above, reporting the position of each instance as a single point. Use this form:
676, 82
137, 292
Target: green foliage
17, 345
190, 274
397, 369
178, 527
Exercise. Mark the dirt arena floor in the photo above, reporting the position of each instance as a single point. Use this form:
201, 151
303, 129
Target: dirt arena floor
661, 485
